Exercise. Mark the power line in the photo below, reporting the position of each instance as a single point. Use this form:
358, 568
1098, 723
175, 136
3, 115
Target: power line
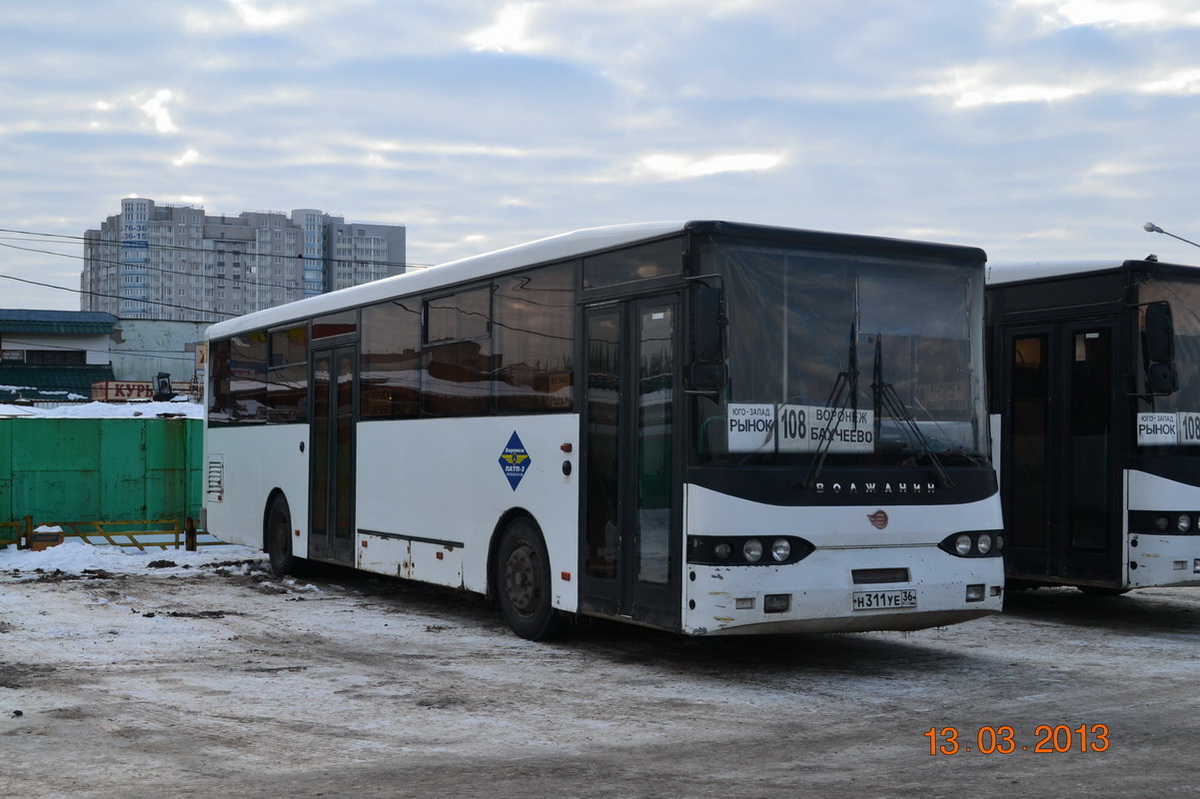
239, 282
208, 311
202, 250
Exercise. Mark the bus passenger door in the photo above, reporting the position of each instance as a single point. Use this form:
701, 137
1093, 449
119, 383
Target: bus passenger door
632, 545
331, 470
1062, 485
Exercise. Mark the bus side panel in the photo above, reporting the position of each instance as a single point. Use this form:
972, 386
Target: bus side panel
1162, 560
247, 476
451, 481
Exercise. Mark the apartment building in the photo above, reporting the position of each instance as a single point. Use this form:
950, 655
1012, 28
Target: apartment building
177, 263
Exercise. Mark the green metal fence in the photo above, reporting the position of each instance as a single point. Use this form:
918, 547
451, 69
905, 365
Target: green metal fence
99, 470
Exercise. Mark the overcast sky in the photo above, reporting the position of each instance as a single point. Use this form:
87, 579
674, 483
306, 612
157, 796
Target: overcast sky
1035, 129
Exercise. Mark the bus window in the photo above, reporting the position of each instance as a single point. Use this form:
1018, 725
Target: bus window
248, 376
287, 376
659, 259
335, 324
533, 332
219, 408
390, 360
457, 357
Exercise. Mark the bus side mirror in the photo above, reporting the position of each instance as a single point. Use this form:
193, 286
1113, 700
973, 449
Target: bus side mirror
1161, 376
707, 370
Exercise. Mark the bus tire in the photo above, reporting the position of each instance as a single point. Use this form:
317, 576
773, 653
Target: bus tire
522, 583
279, 537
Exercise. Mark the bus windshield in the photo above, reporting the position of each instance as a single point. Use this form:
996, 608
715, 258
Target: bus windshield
847, 358
1183, 294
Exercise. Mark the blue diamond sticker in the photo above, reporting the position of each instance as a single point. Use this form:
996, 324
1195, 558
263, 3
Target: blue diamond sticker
515, 461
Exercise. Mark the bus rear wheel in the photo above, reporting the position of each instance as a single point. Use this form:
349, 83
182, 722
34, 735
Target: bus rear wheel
279, 537
522, 583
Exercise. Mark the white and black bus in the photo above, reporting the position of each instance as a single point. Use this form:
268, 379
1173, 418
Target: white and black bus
704, 427
1096, 391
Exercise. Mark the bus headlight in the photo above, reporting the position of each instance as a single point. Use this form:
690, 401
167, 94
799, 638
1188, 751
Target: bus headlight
1184, 522
733, 550
973, 544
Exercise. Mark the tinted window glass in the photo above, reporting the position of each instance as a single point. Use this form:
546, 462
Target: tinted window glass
336, 324
659, 259
534, 335
219, 402
459, 317
458, 357
248, 376
390, 360
287, 377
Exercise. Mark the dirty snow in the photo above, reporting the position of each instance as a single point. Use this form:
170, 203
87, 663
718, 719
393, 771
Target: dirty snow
128, 674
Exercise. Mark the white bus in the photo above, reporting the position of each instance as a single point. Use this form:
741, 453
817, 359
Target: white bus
705, 427
1096, 387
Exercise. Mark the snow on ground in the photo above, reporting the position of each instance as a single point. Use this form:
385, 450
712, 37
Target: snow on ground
76, 557
123, 676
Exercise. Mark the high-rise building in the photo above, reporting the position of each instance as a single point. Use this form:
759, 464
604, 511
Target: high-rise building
175, 262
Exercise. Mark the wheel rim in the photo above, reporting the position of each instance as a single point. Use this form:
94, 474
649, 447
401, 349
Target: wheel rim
521, 579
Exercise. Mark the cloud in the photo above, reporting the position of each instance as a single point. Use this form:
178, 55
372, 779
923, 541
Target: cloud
1116, 13
255, 15
677, 167
508, 33
1186, 81
187, 158
155, 108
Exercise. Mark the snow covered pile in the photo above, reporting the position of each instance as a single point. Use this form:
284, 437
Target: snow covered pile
109, 410
77, 557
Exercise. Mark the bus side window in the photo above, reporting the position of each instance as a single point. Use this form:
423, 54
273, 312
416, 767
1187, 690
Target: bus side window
532, 333
219, 408
457, 354
390, 360
248, 377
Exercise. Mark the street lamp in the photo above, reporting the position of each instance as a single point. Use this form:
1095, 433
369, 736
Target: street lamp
1150, 227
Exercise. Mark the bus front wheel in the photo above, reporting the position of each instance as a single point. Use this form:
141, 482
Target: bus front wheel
279, 537
522, 583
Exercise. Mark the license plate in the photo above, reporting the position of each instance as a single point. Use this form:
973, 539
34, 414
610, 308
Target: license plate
883, 600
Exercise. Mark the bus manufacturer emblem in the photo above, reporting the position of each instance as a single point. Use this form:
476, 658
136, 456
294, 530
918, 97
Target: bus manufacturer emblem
515, 461
879, 519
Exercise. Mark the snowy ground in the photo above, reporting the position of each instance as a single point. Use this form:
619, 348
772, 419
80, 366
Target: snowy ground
196, 674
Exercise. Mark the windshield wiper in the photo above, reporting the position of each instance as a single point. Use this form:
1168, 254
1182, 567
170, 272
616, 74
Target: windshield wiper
846, 381
887, 399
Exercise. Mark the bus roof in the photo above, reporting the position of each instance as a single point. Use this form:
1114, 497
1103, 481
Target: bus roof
1003, 272
1018, 271
563, 245
552, 248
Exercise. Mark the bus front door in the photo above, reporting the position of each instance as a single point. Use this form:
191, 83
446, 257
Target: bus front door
631, 548
331, 471
1061, 485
